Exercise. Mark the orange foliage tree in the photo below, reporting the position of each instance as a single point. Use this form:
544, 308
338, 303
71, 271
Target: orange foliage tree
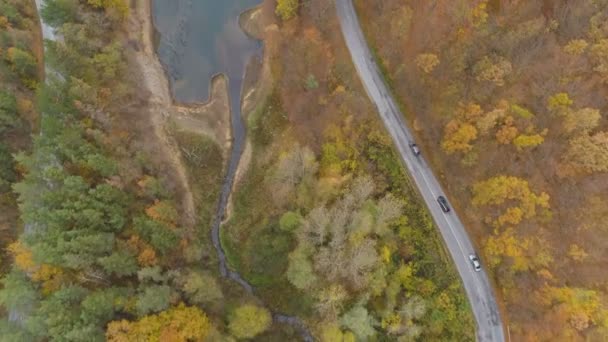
163, 211
50, 277
146, 255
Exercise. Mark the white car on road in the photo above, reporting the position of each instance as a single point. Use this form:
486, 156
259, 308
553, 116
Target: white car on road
475, 262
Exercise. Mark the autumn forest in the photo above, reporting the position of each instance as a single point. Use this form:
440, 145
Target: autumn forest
108, 198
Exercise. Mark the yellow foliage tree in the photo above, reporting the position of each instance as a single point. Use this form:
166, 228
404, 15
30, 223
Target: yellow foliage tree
427, 62
458, 137
178, 324
524, 140
559, 102
505, 244
512, 216
576, 47
51, 277
446, 304
577, 253
120, 6
582, 120
22, 256
470, 113
287, 9
581, 307
493, 70
497, 190
248, 321
332, 333
479, 14
523, 254
588, 153
385, 254
489, 120
4, 23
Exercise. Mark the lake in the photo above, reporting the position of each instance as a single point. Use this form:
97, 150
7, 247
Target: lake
199, 39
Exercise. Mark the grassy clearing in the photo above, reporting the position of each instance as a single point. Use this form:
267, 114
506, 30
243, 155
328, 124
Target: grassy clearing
204, 163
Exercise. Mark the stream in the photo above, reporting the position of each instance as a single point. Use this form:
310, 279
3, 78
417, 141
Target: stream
198, 40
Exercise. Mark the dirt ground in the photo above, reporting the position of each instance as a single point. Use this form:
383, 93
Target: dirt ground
211, 118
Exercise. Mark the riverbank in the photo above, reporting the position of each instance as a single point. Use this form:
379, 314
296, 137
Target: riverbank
210, 119
257, 86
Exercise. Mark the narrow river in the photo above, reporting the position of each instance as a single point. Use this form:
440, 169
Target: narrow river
198, 40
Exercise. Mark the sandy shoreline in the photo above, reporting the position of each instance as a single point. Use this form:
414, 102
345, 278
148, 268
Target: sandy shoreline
140, 29
210, 118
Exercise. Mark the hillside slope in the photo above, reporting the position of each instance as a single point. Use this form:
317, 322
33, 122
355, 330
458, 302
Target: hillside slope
509, 102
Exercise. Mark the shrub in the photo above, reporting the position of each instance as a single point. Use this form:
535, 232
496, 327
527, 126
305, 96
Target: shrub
427, 62
7, 171
521, 112
576, 47
290, 221
311, 82
58, 12
24, 64
249, 321
8, 111
528, 140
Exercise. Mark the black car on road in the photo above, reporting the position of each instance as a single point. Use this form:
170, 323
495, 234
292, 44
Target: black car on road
443, 203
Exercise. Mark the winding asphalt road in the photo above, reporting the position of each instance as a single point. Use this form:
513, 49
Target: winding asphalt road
476, 284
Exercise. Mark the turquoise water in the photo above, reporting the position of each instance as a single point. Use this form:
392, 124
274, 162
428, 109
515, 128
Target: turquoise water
199, 39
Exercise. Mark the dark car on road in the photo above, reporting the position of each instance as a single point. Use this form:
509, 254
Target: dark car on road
415, 149
443, 203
